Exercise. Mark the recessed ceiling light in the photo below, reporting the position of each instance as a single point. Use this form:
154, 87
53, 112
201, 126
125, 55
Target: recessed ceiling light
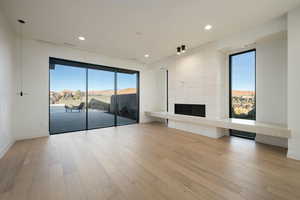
81, 38
146, 55
208, 27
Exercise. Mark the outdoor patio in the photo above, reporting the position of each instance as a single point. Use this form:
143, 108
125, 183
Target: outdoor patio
62, 121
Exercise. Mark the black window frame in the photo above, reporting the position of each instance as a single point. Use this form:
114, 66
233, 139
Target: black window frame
54, 61
235, 132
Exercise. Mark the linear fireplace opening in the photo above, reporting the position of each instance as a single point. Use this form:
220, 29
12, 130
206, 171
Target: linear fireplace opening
191, 109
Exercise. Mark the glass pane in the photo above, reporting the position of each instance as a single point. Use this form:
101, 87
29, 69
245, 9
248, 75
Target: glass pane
126, 98
243, 86
67, 99
101, 88
243, 90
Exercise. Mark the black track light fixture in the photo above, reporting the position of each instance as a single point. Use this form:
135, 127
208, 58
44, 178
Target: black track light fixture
21, 21
178, 50
181, 49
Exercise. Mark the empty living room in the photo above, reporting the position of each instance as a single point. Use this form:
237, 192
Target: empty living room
149, 100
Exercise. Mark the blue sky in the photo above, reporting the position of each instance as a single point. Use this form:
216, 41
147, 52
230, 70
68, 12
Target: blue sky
243, 72
74, 78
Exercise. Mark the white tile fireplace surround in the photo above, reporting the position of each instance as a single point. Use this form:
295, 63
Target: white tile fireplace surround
198, 78
198, 110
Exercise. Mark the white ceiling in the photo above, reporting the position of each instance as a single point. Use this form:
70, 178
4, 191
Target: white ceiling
131, 28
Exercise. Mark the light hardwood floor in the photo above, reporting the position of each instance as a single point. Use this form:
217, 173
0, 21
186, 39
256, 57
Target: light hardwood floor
146, 162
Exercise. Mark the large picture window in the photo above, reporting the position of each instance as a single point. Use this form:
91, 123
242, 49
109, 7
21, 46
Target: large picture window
85, 96
243, 88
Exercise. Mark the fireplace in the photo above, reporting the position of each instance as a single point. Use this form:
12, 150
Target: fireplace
191, 109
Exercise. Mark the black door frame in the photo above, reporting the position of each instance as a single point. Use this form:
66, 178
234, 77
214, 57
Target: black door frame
53, 61
247, 135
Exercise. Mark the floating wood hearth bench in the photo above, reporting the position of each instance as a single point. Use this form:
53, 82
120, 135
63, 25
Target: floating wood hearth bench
229, 123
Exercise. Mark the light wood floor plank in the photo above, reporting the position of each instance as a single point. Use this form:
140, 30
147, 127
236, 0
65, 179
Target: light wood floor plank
146, 161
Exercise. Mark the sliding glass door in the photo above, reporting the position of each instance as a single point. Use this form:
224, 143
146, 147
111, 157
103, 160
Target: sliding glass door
126, 98
85, 96
242, 89
101, 88
67, 99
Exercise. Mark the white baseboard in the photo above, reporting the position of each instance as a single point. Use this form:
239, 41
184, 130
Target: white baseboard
5, 149
31, 137
293, 155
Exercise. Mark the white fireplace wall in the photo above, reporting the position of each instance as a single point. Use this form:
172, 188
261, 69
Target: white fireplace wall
197, 77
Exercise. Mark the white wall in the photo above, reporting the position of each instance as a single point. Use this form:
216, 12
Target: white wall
247, 38
294, 82
153, 87
7, 86
271, 75
271, 84
32, 109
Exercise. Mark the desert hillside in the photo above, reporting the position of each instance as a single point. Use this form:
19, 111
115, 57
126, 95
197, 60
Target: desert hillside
243, 93
99, 92
75, 97
111, 92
